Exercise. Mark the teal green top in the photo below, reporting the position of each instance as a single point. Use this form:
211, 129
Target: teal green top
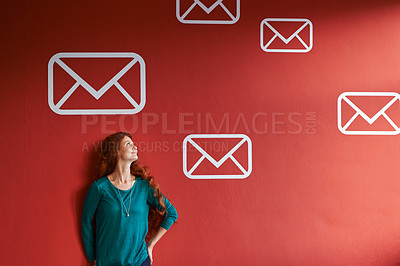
117, 239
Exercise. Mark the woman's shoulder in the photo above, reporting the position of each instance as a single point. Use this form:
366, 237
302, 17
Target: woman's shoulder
101, 182
142, 182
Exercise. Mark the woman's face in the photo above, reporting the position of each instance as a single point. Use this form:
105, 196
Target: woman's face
127, 150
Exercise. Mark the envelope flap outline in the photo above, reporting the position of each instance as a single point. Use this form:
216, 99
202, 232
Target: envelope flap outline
223, 159
208, 10
295, 34
371, 120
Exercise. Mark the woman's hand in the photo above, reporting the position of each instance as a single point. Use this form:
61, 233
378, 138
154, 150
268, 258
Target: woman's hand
150, 252
152, 242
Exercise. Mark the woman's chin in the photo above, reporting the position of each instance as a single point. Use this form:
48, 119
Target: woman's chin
131, 158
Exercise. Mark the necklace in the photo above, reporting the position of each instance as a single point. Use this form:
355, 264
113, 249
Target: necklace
122, 201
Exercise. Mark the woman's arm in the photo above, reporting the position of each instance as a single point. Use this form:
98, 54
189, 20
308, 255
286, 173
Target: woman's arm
171, 216
157, 236
88, 232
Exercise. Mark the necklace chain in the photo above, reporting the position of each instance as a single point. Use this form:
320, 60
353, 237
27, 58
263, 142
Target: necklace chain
122, 201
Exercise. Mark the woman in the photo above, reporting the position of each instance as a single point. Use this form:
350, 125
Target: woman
119, 202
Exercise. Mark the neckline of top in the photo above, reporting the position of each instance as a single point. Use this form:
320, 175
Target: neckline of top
109, 181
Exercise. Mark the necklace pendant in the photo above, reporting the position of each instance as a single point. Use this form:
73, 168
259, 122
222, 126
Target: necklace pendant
127, 215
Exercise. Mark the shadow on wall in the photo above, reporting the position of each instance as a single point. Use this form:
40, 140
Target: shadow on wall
89, 175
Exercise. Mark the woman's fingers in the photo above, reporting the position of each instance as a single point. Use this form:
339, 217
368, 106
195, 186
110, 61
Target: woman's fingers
150, 252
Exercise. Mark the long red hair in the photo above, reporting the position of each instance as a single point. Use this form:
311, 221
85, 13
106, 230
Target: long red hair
108, 158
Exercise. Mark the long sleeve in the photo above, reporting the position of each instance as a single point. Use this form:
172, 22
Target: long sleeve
171, 213
88, 233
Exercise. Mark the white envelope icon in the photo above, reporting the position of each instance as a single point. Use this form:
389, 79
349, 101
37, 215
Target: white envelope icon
391, 127
191, 140
97, 94
271, 46
199, 13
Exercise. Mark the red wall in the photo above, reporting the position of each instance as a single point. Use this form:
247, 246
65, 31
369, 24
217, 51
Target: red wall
315, 195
